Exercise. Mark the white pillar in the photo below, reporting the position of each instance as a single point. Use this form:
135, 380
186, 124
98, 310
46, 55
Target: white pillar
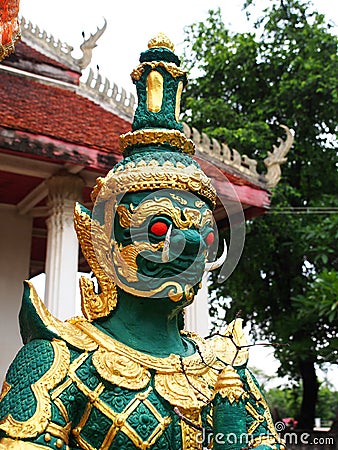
15, 244
197, 314
62, 245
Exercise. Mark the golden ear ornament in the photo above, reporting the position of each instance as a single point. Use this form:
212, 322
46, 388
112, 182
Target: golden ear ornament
94, 306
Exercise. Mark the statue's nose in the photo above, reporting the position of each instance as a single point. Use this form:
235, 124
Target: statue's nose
187, 242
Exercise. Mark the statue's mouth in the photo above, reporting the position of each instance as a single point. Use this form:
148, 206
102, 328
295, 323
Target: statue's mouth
185, 267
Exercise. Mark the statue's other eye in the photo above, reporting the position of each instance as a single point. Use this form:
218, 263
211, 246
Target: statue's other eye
210, 238
159, 228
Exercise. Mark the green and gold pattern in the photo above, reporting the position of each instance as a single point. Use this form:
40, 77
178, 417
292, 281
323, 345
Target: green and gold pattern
123, 376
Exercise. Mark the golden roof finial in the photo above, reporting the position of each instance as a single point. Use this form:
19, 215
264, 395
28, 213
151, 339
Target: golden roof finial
161, 40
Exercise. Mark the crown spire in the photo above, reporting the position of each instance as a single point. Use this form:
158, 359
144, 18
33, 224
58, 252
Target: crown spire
161, 40
159, 83
157, 154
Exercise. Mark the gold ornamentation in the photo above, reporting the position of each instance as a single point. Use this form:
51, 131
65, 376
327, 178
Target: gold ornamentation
154, 91
5, 389
178, 101
232, 346
93, 305
229, 385
160, 136
258, 418
119, 420
190, 435
183, 219
59, 432
267, 415
179, 199
102, 254
15, 444
199, 203
191, 389
125, 257
65, 330
120, 370
9, 48
151, 176
41, 418
171, 68
161, 40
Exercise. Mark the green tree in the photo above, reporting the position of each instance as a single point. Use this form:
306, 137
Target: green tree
244, 86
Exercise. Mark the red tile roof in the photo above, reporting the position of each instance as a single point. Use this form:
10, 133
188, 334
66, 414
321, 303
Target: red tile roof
42, 109
24, 51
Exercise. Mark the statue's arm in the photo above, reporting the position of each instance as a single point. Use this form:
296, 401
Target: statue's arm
30, 415
241, 416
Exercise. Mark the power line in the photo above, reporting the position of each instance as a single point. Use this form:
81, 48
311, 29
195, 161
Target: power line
303, 210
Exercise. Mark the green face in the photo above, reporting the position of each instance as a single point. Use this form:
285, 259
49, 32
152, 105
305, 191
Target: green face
160, 243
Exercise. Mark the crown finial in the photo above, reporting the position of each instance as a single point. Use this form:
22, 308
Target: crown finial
161, 40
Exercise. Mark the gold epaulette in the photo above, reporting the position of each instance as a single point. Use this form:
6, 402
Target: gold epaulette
231, 346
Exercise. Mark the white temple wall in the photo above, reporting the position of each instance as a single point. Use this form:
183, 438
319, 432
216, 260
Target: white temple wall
15, 245
197, 314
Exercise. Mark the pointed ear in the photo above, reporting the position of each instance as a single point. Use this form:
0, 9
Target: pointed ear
94, 306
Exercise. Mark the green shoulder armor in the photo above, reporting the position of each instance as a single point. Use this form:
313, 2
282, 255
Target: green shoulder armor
36, 322
39, 366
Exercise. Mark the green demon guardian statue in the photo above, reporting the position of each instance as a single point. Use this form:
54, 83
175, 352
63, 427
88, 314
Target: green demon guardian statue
125, 376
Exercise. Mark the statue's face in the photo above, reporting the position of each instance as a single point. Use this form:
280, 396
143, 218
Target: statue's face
160, 243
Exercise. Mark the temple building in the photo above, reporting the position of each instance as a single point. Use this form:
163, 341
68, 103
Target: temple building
60, 123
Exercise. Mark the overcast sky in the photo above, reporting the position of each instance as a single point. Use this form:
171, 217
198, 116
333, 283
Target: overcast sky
131, 24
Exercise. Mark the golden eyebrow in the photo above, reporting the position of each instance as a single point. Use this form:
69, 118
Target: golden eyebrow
183, 218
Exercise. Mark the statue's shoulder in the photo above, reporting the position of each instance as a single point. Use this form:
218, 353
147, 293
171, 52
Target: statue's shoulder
39, 366
231, 345
36, 322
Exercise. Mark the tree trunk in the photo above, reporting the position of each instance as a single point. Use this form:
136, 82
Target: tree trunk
310, 394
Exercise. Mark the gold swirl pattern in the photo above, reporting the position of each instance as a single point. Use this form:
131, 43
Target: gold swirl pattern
125, 257
146, 137
183, 219
120, 370
14, 444
171, 68
150, 176
94, 305
192, 388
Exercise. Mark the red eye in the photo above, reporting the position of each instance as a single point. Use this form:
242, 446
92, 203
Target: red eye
159, 228
210, 238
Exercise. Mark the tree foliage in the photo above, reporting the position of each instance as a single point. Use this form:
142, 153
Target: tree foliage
244, 86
